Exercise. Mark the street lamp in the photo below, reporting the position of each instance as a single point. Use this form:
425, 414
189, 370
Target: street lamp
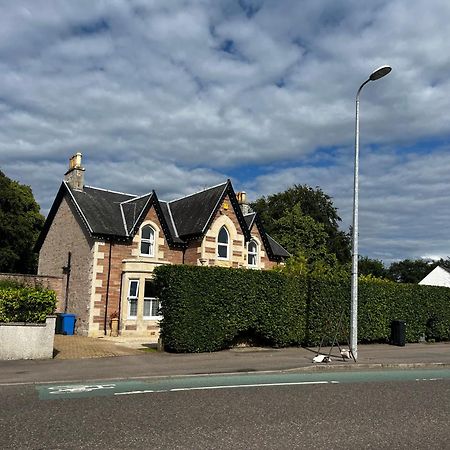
375, 75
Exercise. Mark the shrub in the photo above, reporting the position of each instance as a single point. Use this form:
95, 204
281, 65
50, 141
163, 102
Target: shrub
211, 308
207, 308
26, 304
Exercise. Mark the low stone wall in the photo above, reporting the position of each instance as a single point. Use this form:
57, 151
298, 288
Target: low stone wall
27, 340
47, 281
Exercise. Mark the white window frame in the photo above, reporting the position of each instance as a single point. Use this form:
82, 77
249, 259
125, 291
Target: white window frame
221, 244
151, 299
255, 253
133, 298
150, 241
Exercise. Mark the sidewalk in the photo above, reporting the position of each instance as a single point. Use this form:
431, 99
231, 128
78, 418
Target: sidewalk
79, 358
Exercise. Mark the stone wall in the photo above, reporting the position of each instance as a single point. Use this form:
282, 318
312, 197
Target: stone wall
27, 341
65, 235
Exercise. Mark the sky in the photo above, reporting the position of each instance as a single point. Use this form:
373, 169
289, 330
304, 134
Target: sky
176, 96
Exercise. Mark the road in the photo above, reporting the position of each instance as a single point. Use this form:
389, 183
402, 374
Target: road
352, 410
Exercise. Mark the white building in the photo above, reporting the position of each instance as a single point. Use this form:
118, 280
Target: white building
437, 277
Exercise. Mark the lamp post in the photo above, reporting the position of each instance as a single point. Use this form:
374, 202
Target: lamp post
375, 75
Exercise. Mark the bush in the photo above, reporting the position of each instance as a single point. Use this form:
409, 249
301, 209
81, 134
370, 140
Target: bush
207, 308
26, 304
211, 308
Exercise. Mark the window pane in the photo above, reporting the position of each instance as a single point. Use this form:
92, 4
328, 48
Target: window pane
222, 250
147, 231
155, 307
252, 260
133, 292
252, 247
145, 248
223, 236
133, 307
149, 290
147, 307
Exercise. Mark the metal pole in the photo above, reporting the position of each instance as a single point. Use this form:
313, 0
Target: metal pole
375, 75
354, 282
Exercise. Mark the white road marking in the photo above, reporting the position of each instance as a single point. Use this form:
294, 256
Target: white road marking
135, 392
429, 379
231, 386
79, 388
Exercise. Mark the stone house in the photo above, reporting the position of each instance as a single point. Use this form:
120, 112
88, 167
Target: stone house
108, 243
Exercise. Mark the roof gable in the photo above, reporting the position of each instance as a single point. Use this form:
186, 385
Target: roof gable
193, 215
132, 211
274, 250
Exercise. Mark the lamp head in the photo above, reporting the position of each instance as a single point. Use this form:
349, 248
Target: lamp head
380, 73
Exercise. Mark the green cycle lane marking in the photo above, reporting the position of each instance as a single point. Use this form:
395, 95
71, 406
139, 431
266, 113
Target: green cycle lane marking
209, 382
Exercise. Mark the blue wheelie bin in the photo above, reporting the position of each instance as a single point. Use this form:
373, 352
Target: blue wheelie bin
66, 324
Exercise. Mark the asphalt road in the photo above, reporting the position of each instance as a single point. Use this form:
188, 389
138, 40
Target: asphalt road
394, 409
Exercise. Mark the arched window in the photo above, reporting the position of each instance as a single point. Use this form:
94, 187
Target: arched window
223, 243
252, 254
148, 241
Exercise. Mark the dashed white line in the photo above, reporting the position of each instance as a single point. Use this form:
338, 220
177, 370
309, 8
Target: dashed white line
429, 379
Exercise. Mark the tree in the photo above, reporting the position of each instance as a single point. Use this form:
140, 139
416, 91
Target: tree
313, 203
301, 234
374, 267
410, 271
20, 225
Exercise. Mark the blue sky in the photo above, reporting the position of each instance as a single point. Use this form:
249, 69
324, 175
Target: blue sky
175, 96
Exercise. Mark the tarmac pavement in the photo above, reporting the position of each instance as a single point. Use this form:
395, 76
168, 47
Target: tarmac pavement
80, 358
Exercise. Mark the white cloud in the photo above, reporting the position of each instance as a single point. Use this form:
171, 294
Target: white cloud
182, 95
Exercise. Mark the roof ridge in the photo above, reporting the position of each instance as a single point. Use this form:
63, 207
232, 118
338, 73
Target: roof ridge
171, 219
198, 192
77, 206
123, 219
216, 205
109, 190
136, 198
136, 220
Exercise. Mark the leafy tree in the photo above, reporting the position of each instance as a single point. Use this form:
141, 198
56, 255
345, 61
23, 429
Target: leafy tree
306, 240
313, 203
20, 225
301, 234
410, 271
374, 267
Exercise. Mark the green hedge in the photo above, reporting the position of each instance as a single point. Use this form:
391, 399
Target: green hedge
26, 304
208, 308
211, 308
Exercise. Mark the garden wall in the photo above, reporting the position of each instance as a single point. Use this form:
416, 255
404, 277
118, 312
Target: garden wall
27, 340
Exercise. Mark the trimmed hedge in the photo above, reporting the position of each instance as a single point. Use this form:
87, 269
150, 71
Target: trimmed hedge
212, 308
208, 308
26, 304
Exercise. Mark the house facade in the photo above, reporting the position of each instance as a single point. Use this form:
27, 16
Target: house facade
108, 244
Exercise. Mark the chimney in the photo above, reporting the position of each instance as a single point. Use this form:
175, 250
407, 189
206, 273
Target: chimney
242, 200
75, 175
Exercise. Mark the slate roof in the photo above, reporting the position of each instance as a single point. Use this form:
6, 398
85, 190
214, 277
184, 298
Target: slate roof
101, 210
275, 250
117, 216
191, 214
